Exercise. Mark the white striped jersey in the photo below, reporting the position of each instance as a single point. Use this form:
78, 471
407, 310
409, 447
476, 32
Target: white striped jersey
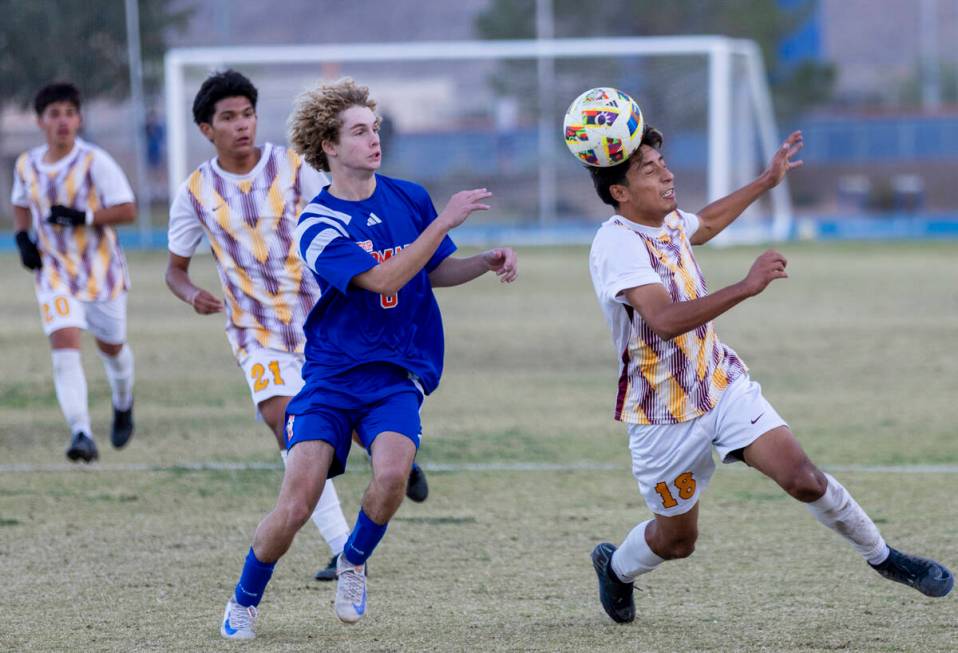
249, 221
84, 261
660, 381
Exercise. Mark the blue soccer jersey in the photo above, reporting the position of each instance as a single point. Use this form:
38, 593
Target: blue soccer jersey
349, 326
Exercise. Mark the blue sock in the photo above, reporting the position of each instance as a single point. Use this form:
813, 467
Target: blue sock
252, 583
364, 538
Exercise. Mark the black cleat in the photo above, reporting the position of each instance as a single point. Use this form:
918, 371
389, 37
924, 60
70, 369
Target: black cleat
82, 447
417, 489
927, 576
329, 571
122, 429
616, 596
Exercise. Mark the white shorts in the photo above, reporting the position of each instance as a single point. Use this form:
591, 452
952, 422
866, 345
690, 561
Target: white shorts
673, 462
105, 320
271, 373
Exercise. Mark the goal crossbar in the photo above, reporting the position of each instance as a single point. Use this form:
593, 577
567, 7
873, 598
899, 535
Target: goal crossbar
719, 50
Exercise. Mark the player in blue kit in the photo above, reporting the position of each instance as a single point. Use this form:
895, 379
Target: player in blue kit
374, 340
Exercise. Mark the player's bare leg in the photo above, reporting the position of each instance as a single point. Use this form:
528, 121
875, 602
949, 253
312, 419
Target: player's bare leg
778, 455
71, 389
417, 487
273, 411
328, 514
671, 538
303, 483
118, 364
392, 456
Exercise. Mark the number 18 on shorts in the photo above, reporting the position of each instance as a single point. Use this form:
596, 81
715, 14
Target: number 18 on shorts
673, 462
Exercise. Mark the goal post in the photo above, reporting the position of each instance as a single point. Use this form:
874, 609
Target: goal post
469, 110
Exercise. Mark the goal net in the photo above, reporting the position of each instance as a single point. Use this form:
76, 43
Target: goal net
489, 114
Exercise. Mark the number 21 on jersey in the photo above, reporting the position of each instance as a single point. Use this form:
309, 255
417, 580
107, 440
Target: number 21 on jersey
261, 379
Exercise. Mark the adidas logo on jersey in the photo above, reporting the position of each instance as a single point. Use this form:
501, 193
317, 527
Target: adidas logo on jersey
373, 219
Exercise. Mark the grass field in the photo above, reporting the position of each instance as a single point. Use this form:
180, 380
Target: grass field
858, 350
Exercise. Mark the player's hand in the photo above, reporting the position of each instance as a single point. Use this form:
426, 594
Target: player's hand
766, 268
206, 303
502, 261
782, 160
462, 204
29, 254
66, 217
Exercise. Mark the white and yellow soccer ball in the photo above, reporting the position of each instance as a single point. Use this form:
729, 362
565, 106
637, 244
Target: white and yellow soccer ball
603, 127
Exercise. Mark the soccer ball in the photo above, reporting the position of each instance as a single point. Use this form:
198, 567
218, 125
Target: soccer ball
603, 127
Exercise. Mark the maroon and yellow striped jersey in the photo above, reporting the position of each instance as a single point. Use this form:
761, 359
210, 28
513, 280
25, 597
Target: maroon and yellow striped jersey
249, 221
84, 261
660, 381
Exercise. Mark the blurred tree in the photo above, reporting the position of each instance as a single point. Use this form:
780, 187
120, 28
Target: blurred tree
909, 91
85, 42
796, 87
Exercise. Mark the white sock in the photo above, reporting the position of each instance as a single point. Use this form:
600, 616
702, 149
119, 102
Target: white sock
70, 384
634, 557
328, 516
119, 372
839, 511
330, 521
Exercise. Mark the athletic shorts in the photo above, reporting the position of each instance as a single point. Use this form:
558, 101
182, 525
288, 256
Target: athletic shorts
673, 462
369, 400
271, 373
106, 320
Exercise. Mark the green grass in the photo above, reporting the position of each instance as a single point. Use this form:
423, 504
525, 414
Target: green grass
857, 350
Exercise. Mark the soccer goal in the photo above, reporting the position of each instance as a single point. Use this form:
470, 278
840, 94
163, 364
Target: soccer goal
489, 113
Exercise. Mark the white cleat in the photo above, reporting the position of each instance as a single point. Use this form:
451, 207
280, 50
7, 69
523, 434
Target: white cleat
350, 591
238, 621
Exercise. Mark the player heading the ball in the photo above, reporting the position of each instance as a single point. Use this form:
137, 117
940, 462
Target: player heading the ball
682, 392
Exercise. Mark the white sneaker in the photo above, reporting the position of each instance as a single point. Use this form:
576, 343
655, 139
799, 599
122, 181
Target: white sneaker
238, 621
350, 591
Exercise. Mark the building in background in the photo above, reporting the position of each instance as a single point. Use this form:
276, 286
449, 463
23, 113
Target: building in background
886, 139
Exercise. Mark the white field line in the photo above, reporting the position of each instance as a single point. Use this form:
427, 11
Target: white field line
57, 468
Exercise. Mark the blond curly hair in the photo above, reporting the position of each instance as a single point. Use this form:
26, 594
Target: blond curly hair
316, 117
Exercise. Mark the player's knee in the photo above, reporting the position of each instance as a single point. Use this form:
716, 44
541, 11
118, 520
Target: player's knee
681, 548
806, 483
296, 512
392, 480
678, 546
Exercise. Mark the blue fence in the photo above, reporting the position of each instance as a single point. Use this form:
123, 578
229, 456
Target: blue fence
870, 139
899, 226
854, 140
884, 227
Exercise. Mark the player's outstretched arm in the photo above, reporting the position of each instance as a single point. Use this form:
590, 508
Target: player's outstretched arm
722, 212
669, 319
395, 272
456, 271
178, 281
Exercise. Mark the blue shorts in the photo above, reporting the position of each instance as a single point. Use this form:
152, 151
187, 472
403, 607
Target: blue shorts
369, 400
